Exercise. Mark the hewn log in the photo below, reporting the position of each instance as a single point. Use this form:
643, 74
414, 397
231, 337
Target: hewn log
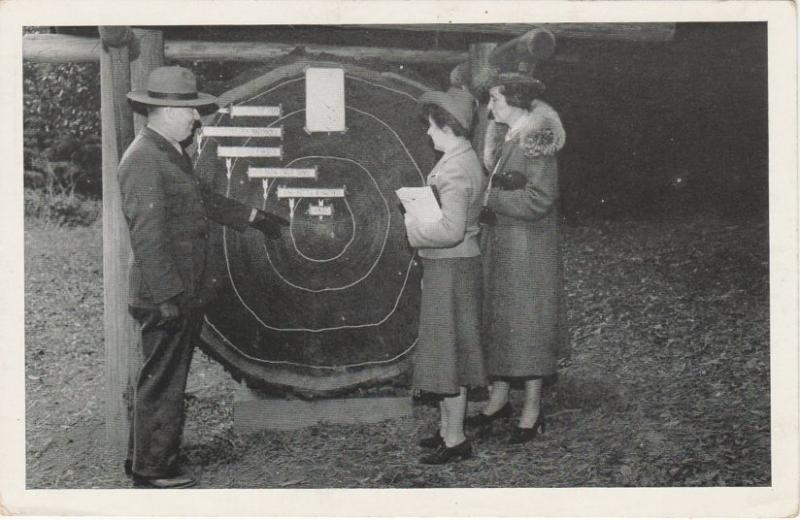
640, 32
655, 32
57, 48
258, 51
526, 50
480, 70
481, 73
60, 48
116, 36
150, 55
120, 331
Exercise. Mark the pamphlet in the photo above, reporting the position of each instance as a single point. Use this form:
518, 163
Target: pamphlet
420, 202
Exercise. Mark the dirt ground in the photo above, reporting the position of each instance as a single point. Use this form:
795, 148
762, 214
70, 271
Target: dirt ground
667, 385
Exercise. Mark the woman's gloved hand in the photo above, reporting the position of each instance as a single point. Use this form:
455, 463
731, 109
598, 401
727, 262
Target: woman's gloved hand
269, 224
509, 181
487, 217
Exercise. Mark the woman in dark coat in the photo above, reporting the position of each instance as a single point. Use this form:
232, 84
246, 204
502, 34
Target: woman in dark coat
523, 319
448, 356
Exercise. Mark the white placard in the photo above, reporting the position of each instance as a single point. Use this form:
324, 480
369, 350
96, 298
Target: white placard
320, 211
276, 173
249, 151
314, 193
325, 100
252, 111
242, 131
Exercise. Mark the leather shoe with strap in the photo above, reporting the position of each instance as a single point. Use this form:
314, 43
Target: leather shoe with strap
482, 419
443, 454
434, 441
179, 481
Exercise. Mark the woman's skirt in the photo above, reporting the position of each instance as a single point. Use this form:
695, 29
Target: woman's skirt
449, 353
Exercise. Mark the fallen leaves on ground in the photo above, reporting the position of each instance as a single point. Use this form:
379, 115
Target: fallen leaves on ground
667, 384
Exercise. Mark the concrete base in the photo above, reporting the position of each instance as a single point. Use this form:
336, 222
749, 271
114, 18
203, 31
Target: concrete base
253, 412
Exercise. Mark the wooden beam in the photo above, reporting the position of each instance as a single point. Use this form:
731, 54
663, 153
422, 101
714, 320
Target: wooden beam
480, 70
641, 32
480, 75
525, 51
60, 48
259, 51
149, 45
57, 48
120, 329
254, 412
655, 32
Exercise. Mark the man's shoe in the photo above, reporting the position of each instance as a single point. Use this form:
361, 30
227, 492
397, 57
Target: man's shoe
443, 454
176, 482
481, 419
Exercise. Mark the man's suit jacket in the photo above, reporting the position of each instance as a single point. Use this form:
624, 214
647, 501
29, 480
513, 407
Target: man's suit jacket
167, 210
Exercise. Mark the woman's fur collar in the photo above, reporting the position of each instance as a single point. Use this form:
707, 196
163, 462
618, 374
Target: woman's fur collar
543, 134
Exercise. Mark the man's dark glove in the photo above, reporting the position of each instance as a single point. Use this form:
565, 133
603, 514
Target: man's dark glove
269, 224
509, 181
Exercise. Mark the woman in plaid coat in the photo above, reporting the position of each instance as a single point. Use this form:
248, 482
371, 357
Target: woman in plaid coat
523, 317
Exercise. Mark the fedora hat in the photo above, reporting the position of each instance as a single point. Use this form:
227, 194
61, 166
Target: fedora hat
171, 87
456, 101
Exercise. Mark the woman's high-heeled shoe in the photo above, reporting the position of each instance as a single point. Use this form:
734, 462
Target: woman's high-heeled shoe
521, 435
482, 419
432, 442
443, 454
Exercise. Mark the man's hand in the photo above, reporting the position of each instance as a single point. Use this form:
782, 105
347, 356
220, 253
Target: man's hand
170, 312
269, 224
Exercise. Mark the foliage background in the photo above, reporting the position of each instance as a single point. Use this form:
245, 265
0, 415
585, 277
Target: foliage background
654, 129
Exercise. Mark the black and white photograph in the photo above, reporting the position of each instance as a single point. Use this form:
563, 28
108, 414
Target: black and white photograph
401, 246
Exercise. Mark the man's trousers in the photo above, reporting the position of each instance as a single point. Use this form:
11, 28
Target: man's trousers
158, 409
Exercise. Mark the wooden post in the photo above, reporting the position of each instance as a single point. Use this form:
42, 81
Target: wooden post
479, 68
150, 46
120, 331
480, 74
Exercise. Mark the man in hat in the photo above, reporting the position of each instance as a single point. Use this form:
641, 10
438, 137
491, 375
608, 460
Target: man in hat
167, 209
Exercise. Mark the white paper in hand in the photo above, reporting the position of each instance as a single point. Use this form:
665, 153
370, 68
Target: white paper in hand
420, 203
